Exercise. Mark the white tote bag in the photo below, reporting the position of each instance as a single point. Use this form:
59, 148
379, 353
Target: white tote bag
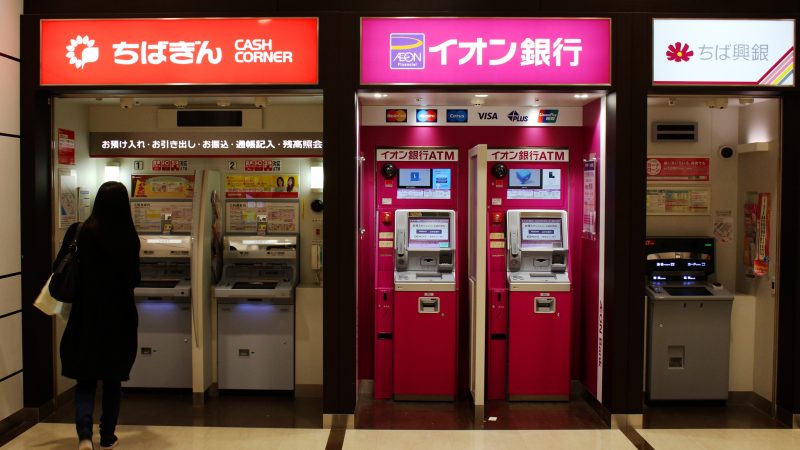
50, 306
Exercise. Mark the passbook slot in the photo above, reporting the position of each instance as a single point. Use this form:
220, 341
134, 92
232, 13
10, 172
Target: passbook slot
428, 305
544, 305
429, 275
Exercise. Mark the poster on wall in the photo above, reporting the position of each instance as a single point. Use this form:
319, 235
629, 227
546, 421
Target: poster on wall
66, 147
162, 186
679, 200
723, 226
67, 197
242, 216
756, 233
261, 186
589, 228
661, 168
147, 215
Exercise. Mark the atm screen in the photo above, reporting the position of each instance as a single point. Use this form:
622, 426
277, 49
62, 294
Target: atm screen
428, 232
441, 178
414, 178
525, 179
540, 232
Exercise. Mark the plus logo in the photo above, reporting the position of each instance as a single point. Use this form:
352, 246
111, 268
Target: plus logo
514, 116
82, 51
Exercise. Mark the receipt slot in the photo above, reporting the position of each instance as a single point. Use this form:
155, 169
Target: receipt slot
540, 305
424, 365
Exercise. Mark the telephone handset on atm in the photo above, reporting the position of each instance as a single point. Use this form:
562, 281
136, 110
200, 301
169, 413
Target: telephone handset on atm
514, 260
401, 258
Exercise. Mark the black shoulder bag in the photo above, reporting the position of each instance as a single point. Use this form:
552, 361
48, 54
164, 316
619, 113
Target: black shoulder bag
66, 277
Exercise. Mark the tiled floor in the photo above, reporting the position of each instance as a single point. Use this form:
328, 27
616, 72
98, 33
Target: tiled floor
726, 439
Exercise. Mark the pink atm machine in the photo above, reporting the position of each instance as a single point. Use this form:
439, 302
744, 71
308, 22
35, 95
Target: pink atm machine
416, 307
529, 304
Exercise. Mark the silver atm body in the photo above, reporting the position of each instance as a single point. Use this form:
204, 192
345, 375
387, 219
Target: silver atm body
256, 303
163, 299
688, 321
537, 250
424, 250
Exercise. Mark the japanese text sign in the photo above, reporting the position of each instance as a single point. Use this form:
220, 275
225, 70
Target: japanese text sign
678, 169
179, 51
723, 52
117, 144
417, 154
485, 51
529, 154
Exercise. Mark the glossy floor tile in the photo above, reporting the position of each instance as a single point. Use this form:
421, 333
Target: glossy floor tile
57, 436
486, 439
726, 439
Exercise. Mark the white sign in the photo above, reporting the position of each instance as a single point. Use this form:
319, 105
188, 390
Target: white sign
533, 154
723, 52
482, 116
417, 154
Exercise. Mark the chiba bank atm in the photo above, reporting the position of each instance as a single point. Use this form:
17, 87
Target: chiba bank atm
416, 292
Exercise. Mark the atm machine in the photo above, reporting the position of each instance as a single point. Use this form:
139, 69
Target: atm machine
688, 321
256, 303
163, 298
425, 305
539, 306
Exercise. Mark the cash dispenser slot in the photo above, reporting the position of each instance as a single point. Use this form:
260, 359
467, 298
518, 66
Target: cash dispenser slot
428, 305
254, 285
544, 305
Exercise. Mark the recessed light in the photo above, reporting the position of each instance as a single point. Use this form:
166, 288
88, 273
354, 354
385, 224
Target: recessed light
384, 95
377, 95
481, 95
581, 95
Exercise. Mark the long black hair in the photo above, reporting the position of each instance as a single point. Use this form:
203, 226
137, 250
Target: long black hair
111, 221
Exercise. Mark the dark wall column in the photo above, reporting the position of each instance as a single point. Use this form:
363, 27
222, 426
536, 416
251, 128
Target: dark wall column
36, 218
788, 374
623, 324
339, 77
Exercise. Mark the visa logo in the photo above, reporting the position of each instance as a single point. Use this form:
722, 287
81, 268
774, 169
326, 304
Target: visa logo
487, 115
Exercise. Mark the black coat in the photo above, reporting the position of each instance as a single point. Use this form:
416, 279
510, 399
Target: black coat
99, 341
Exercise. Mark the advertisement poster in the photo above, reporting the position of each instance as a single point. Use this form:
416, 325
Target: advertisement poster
678, 200
67, 198
242, 216
66, 147
217, 245
147, 215
756, 233
589, 199
678, 169
261, 186
162, 186
723, 226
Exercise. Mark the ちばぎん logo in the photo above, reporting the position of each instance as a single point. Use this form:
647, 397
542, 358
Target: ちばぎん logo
679, 53
82, 51
406, 51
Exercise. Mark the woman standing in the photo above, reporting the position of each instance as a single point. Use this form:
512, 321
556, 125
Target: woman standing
99, 342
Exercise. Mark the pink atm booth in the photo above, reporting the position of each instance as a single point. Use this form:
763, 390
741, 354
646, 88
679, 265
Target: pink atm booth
529, 301
416, 302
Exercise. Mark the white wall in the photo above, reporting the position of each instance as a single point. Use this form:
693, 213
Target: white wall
752, 318
758, 172
10, 258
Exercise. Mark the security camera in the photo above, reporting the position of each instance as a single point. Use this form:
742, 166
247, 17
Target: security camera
718, 103
260, 102
672, 101
478, 102
181, 102
726, 151
126, 102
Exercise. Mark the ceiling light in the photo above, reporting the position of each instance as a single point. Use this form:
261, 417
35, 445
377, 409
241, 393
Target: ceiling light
181, 102
481, 95
746, 100
377, 95
581, 96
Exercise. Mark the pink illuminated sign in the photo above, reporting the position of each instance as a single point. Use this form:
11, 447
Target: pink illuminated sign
485, 51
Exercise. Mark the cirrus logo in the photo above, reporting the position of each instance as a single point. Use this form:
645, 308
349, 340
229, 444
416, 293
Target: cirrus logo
81, 51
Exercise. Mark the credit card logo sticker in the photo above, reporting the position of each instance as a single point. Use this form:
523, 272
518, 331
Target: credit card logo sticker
457, 115
406, 51
487, 115
548, 116
396, 115
514, 116
427, 116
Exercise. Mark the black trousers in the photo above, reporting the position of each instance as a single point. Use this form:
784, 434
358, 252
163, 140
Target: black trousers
84, 408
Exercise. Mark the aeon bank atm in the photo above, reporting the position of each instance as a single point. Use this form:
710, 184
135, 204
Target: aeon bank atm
416, 302
529, 300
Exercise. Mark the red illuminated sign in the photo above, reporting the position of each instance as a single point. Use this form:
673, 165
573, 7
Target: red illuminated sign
179, 51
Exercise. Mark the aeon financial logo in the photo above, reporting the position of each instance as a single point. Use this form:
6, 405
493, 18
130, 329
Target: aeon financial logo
82, 51
406, 51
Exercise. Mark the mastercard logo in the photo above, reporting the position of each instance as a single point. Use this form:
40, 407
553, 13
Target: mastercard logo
396, 115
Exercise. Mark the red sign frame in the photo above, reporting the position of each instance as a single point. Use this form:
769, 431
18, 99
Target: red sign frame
689, 168
249, 51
